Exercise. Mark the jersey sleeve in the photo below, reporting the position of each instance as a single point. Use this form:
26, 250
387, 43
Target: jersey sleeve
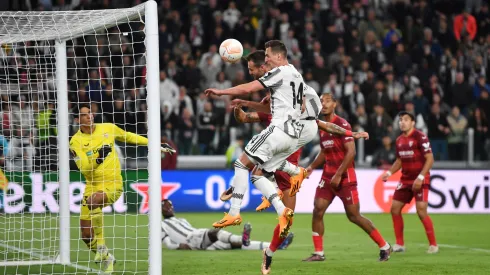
263, 117
128, 137
423, 144
80, 158
272, 79
346, 126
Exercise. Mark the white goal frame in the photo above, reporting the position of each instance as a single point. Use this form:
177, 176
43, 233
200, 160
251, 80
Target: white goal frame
13, 32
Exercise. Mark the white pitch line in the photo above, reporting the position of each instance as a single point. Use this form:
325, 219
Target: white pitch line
459, 247
45, 258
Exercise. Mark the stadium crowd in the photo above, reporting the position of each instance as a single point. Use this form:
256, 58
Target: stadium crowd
377, 56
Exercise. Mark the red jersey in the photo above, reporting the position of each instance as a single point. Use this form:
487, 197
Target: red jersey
294, 158
411, 150
334, 150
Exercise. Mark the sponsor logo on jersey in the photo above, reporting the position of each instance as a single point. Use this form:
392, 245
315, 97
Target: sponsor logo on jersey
328, 143
406, 153
426, 146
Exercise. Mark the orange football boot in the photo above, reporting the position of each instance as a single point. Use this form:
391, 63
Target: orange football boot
296, 181
265, 202
285, 222
228, 220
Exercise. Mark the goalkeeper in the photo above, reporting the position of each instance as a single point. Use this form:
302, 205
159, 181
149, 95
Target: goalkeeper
92, 148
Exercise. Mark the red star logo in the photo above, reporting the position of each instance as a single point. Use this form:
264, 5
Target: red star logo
167, 189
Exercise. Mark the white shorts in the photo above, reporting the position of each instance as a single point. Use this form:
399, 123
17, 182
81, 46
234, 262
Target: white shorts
270, 142
272, 146
199, 239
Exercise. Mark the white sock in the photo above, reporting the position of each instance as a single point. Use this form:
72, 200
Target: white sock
289, 168
256, 245
269, 252
385, 247
240, 187
269, 192
227, 237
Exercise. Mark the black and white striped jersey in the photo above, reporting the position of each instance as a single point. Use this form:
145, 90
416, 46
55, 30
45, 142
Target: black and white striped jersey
286, 85
177, 229
313, 103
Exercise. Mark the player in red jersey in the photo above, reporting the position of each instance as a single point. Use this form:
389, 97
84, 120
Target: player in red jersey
414, 157
338, 180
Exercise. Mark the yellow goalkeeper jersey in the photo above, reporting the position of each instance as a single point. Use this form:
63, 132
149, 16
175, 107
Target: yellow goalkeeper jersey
84, 149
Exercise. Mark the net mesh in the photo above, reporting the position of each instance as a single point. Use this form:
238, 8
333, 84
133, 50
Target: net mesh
105, 69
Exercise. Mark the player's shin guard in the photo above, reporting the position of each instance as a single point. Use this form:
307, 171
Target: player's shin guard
227, 237
378, 239
398, 227
240, 184
98, 225
255, 245
269, 191
276, 241
318, 243
429, 230
289, 168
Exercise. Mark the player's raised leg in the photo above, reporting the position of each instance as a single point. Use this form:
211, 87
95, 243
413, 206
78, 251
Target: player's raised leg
352, 210
421, 205
242, 170
396, 216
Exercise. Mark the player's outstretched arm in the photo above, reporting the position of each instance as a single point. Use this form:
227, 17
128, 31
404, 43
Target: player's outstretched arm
337, 130
395, 167
239, 90
263, 106
169, 244
243, 117
133, 138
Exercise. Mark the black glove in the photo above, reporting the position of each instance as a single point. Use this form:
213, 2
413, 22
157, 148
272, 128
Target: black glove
104, 151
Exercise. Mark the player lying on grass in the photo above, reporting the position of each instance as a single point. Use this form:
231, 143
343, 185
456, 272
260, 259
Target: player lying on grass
178, 233
414, 157
338, 180
92, 148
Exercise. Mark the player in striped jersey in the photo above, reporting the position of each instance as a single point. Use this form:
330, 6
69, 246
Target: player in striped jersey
178, 233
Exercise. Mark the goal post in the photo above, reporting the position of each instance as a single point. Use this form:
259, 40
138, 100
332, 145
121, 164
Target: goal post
40, 65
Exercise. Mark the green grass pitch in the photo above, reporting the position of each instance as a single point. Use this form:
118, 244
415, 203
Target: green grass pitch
464, 241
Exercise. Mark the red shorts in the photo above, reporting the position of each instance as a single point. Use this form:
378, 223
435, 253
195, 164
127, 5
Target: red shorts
405, 194
282, 180
347, 193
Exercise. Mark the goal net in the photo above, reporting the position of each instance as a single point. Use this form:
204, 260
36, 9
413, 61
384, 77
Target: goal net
51, 63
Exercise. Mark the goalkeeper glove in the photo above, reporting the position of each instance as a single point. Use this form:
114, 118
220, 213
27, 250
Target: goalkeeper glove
167, 148
104, 151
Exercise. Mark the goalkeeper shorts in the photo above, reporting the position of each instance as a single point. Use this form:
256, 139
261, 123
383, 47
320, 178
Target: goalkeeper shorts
112, 191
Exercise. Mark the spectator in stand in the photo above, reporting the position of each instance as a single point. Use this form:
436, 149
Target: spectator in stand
421, 103
312, 82
443, 106
168, 120
465, 26
231, 15
461, 93
479, 123
457, 124
94, 86
186, 126
185, 102
372, 24
384, 157
169, 161
381, 123
206, 129
377, 97
361, 118
484, 102
479, 86
169, 91
438, 133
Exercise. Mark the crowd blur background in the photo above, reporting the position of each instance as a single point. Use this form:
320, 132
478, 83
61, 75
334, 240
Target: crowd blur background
378, 57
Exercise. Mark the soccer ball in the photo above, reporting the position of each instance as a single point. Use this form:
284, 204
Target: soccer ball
231, 50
